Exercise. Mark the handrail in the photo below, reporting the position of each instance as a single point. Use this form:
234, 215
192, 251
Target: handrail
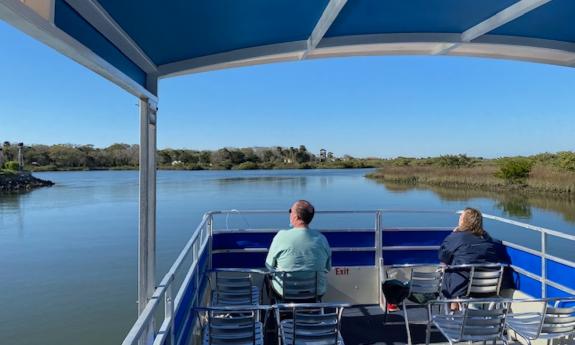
164, 289
147, 314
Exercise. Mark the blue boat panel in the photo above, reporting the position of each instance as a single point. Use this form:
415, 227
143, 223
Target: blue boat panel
529, 262
561, 274
554, 292
181, 327
413, 16
69, 21
527, 285
257, 260
360, 239
397, 257
413, 238
353, 258
552, 21
238, 260
184, 29
182, 313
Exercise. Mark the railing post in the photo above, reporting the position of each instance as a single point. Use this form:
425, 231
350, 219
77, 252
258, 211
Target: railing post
210, 227
543, 264
378, 253
169, 310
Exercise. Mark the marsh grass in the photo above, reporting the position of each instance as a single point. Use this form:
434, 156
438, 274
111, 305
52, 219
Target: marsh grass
547, 179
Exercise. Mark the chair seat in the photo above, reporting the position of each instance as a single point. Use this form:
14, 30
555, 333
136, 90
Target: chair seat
233, 337
313, 334
450, 326
527, 325
231, 299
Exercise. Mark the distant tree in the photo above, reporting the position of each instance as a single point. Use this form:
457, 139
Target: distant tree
514, 170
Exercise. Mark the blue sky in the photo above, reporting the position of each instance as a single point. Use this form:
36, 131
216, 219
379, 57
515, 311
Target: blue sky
363, 106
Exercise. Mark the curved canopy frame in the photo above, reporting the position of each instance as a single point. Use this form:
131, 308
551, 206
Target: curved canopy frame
134, 43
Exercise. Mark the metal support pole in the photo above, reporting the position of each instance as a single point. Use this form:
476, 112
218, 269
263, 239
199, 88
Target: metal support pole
147, 212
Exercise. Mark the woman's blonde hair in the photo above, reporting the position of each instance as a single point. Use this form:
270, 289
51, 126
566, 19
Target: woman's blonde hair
472, 221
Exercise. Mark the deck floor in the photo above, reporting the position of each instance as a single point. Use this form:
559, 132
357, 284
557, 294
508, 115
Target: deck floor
369, 325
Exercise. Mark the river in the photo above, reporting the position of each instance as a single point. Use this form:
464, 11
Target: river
68, 253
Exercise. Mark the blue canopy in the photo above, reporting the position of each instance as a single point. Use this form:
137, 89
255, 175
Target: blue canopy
135, 42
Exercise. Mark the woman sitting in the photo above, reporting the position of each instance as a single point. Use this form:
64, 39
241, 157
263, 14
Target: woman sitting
469, 243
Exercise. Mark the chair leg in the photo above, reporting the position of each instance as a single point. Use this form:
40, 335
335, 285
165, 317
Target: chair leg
404, 308
428, 333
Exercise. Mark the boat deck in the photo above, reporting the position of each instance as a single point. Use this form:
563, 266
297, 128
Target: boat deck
369, 325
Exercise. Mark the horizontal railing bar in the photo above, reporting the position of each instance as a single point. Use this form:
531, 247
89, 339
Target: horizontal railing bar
146, 315
531, 227
163, 332
274, 230
527, 273
225, 212
560, 287
394, 229
522, 248
265, 250
427, 228
399, 248
560, 260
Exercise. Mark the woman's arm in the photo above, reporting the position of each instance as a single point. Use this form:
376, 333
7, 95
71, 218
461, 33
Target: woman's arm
446, 250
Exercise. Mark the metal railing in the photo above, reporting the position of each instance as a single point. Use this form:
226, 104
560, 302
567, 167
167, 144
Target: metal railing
164, 291
202, 237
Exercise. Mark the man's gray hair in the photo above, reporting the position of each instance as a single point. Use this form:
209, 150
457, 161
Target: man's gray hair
304, 210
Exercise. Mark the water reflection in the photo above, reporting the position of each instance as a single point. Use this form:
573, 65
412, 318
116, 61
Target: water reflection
513, 204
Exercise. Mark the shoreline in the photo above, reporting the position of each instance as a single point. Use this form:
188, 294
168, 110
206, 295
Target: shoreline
20, 181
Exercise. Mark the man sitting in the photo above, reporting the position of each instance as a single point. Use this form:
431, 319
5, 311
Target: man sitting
299, 249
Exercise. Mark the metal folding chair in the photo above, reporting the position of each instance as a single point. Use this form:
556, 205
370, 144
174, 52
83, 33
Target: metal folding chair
480, 320
551, 323
484, 279
423, 282
235, 286
311, 323
297, 285
232, 325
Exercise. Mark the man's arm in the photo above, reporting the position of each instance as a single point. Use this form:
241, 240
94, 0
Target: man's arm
328, 249
271, 259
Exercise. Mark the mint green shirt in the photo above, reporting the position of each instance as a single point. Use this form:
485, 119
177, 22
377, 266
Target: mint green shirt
300, 249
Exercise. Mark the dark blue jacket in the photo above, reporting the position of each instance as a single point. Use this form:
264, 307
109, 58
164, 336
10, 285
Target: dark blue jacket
463, 247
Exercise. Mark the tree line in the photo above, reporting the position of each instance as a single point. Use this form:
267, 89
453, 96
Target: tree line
126, 156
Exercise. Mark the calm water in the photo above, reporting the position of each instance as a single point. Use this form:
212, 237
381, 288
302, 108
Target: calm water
68, 253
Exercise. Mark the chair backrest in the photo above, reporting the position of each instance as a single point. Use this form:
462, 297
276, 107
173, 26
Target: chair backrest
233, 289
557, 321
481, 322
312, 323
484, 280
423, 282
299, 285
315, 327
232, 325
232, 328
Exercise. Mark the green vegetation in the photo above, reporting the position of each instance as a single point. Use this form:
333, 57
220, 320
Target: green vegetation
544, 173
125, 156
11, 166
515, 170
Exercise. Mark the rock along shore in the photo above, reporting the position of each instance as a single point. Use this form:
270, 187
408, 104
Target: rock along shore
24, 181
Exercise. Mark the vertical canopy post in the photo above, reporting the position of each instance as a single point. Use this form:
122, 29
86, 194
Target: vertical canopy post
147, 213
